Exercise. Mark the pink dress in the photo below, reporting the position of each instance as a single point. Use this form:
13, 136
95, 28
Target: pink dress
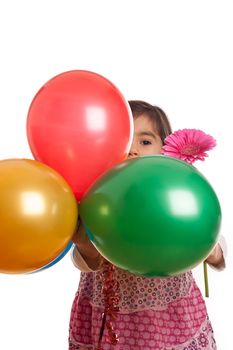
154, 314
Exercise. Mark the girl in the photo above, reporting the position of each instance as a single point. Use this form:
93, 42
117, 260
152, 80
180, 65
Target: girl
154, 313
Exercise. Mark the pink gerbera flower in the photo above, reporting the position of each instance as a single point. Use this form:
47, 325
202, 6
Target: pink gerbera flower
188, 145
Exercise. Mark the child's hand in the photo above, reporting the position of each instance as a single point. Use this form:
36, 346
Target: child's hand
215, 258
85, 247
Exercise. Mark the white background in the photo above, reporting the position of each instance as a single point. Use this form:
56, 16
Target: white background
176, 54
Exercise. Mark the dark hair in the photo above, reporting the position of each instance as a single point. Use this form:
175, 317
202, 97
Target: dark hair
155, 113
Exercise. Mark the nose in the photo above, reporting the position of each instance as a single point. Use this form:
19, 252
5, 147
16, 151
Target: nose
133, 153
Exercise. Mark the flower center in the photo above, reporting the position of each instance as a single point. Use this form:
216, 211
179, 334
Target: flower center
190, 149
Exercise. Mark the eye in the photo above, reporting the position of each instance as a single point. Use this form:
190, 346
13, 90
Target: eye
146, 142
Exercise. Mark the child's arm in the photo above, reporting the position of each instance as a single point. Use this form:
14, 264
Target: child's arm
85, 256
216, 258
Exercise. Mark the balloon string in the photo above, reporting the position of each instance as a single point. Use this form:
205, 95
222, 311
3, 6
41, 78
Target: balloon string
206, 279
110, 291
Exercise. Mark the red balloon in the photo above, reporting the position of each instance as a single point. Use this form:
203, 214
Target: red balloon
79, 124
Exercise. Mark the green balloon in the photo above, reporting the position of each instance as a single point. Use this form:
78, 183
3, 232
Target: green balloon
152, 216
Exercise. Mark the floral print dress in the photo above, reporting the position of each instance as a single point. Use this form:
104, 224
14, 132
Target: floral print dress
154, 314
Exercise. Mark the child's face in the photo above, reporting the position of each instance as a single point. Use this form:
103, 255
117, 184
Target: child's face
146, 139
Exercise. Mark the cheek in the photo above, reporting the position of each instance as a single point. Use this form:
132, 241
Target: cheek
158, 149
153, 149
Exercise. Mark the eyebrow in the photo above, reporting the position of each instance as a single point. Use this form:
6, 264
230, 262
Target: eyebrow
146, 133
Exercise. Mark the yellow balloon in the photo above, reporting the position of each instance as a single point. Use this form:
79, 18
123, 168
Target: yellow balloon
38, 215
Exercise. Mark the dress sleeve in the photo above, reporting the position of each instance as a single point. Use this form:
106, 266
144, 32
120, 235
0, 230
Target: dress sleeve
223, 245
